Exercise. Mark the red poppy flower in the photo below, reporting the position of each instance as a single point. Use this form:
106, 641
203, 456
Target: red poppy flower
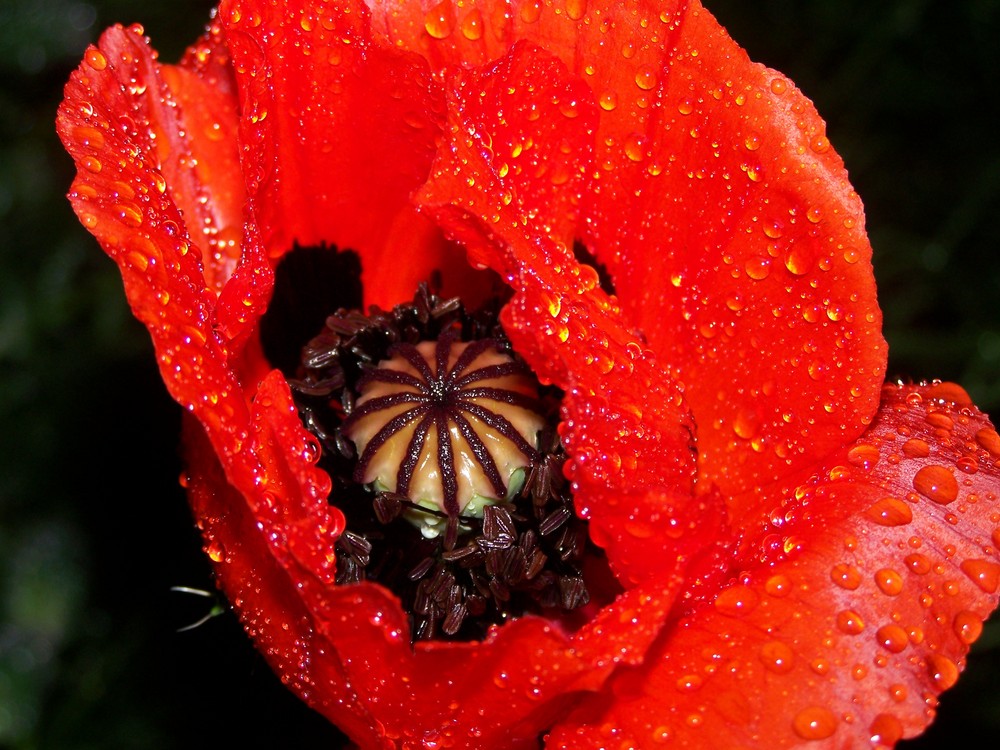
799, 551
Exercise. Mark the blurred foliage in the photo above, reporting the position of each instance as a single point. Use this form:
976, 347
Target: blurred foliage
93, 526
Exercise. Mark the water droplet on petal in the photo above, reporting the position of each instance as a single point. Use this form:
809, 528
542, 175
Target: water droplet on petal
864, 456
943, 671
89, 136
758, 268
984, 573
530, 12
576, 9
886, 730
892, 638
968, 626
689, 683
472, 25
850, 622
814, 723
916, 448
777, 657
736, 601
845, 576
918, 563
936, 483
778, 585
96, 59
889, 581
820, 144
746, 424
799, 261
216, 551
439, 20
645, 78
989, 439
890, 511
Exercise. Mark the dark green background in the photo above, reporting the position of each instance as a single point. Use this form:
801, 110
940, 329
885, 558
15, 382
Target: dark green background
93, 527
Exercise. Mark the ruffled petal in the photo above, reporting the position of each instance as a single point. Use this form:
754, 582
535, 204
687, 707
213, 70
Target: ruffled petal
852, 606
625, 424
732, 235
114, 103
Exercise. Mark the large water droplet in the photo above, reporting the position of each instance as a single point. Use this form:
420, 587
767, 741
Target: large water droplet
936, 483
530, 12
472, 25
820, 144
645, 78
846, 576
850, 622
892, 638
864, 456
758, 268
890, 511
576, 9
943, 671
778, 585
984, 573
777, 657
96, 59
88, 136
989, 439
814, 723
886, 730
968, 626
439, 20
736, 601
889, 581
918, 563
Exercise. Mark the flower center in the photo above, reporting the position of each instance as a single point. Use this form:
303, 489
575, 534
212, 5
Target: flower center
444, 457
450, 425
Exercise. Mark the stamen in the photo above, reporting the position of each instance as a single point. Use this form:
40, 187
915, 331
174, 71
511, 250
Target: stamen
446, 463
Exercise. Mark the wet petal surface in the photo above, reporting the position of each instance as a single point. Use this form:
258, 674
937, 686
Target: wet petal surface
853, 605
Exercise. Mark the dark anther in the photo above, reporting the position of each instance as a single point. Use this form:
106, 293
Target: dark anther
457, 566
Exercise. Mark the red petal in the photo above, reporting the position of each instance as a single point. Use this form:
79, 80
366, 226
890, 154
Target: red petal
336, 134
735, 241
853, 606
625, 424
200, 164
745, 260
113, 104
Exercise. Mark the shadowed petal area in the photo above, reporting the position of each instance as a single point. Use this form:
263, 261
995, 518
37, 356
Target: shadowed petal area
625, 425
854, 601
